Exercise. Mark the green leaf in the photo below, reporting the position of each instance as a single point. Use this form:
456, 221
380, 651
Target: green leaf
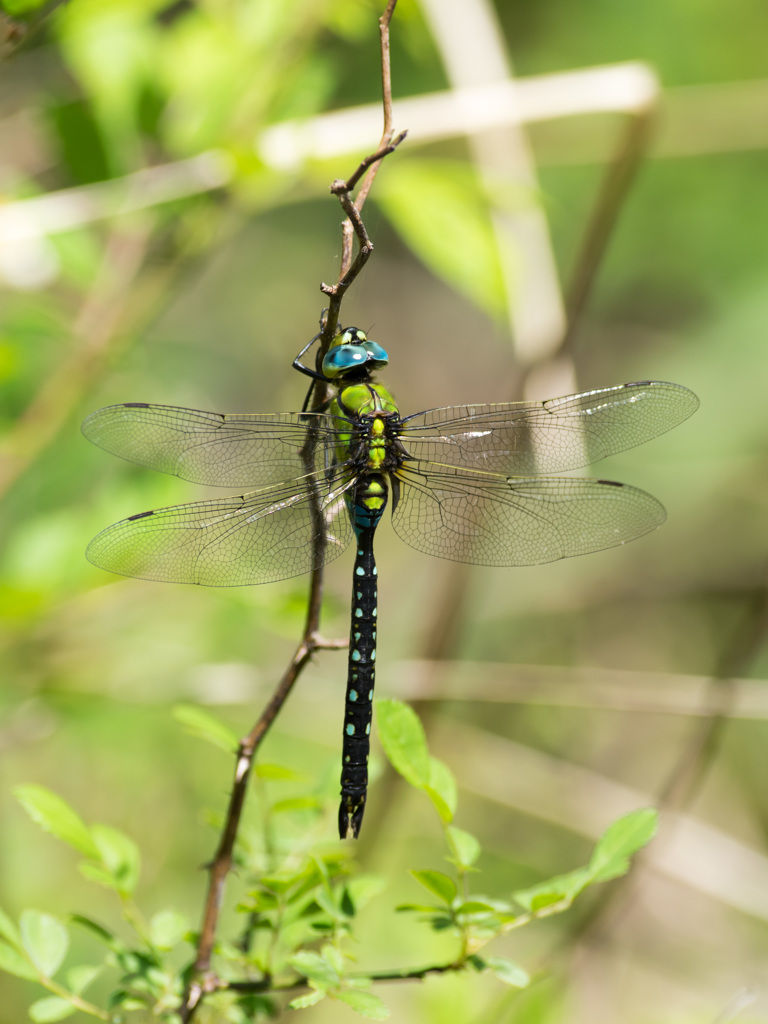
327, 902
105, 937
561, 889
49, 1009
346, 905
125, 1001
95, 873
301, 1002
419, 908
130, 962
402, 737
167, 928
80, 977
205, 727
440, 922
624, 837
508, 971
442, 789
334, 957
54, 815
475, 907
296, 803
277, 773
278, 883
12, 962
259, 903
441, 885
610, 859
252, 1008
465, 847
9, 930
119, 855
45, 940
365, 1003
20, 7
316, 968
364, 888
440, 210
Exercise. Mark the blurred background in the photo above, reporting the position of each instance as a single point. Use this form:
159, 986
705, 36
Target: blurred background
164, 227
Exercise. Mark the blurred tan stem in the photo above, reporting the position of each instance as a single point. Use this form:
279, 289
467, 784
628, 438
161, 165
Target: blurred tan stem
107, 307
542, 332
685, 778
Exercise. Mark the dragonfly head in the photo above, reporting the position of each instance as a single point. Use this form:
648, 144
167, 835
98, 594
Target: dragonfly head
353, 356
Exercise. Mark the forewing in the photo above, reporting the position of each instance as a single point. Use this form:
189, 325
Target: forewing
268, 535
525, 438
487, 519
239, 450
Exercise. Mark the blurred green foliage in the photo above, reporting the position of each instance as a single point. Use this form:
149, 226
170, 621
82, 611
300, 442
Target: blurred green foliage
203, 300
300, 891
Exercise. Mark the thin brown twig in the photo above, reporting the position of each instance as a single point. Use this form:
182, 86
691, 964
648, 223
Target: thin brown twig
17, 33
202, 980
363, 166
386, 136
353, 225
396, 974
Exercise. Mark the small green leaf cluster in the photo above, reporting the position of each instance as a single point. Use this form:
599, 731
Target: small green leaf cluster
327, 975
307, 900
300, 901
476, 919
301, 896
36, 948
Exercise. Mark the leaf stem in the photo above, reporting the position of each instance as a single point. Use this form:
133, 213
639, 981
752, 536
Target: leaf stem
80, 1004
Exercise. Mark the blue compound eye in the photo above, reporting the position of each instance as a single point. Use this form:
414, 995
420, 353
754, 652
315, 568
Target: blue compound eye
376, 354
344, 358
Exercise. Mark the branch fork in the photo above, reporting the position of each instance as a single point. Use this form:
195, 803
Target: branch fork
203, 981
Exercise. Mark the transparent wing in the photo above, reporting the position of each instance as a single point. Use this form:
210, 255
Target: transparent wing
239, 450
525, 438
487, 519
260, 537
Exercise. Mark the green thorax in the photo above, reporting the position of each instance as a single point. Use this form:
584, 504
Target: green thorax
359, 406
353, 401
362, 402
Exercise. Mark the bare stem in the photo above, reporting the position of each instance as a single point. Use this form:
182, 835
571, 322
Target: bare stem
396, 974
703, 745
630, 153
203, 979
353, 225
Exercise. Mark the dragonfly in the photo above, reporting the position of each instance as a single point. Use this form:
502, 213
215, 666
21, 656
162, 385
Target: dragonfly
470, 483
